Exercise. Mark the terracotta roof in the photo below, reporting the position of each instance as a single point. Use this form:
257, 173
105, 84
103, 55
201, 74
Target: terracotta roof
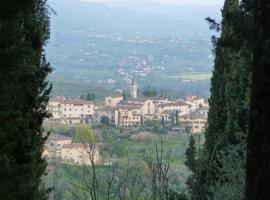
57, 99
128, 107
62, 100
117, 95
173, 104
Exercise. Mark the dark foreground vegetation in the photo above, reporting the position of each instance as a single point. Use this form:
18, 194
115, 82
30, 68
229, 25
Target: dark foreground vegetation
235, 160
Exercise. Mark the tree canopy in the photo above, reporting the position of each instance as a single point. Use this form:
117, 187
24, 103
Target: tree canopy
84, 133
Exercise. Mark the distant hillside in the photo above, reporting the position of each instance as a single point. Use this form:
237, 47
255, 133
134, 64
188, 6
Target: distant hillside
107, 45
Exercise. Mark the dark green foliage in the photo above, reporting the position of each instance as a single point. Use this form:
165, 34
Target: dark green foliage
105, 120
163, 123
89, 97
230, 167
191, 155
24, 93
175, 196
229, 102
195, 163
258, 153
173, 120
177, 117
149, 92
124, 96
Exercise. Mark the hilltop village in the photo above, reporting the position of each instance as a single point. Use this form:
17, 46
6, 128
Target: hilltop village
190, 112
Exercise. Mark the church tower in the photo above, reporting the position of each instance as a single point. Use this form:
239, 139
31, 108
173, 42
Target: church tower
134, 90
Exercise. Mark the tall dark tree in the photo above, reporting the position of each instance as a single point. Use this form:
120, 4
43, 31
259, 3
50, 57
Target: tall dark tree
173, 120
24, 93
230, 93
90, 97
258, 154
215, 133
124, 95
195, 169
162, 122
177, 117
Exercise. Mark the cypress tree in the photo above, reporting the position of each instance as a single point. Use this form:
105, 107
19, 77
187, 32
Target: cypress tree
228, 115
195, 181
258, 153
228, 119
24, 93
237, 90
177, 117
215, 133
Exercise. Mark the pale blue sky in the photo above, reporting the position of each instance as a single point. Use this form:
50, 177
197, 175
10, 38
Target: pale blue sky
193, 2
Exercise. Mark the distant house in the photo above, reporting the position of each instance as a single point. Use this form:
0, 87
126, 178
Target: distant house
195, 122
71, 111
113, 100
54, 145
81, 154
181, 107
128, 115
105, 112
202, 111
167, 115
195, 102
61, 147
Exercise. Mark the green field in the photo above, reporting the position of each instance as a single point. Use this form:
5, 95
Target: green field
191, 76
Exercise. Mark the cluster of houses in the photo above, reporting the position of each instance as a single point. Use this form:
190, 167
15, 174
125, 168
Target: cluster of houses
192, 112
62, 148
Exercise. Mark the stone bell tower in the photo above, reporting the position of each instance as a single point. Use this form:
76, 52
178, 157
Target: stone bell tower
134, 90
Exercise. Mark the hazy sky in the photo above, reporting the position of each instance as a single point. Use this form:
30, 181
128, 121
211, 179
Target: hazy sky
193, 2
